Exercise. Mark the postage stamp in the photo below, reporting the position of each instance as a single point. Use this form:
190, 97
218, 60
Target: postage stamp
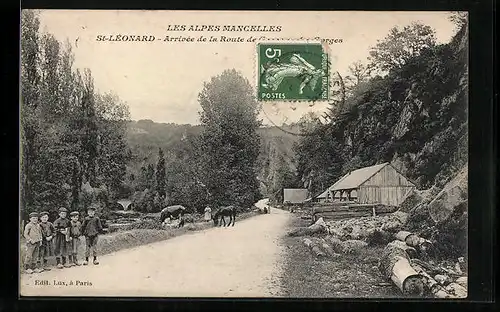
292, 71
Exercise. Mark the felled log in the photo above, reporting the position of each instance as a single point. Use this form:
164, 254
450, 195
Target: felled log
395, 265
442, 279
328, 249
436, 290
392, 226
313, 247
319, 227
431, 269
452, 291
413, 240
412, 253
402, 235
335, 243
353, 246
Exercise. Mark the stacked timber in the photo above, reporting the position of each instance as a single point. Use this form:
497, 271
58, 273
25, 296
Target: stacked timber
343, 211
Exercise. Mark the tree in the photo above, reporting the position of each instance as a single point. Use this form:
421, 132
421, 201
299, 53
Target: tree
318, 158
459, 18
229, 141
160, 174
401, 45
30, 79
282, 177
88, 126
67, 137
358, 74
113, 152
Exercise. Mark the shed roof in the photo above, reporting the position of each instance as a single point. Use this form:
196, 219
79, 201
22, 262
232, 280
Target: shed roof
357, 177
323, 195
353, 179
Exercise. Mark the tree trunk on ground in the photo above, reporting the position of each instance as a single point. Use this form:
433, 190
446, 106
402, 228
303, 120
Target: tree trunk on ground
335, 243
395, 265
317, 228
453, 290
436, 290
413, 240
412, 252
329, 250
313, 247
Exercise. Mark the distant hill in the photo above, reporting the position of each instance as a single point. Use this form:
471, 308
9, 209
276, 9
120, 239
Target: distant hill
144, 137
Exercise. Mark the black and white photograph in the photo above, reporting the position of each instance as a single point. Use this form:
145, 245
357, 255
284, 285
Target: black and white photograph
241, 154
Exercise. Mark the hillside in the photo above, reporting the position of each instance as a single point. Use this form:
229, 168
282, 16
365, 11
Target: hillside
414, 117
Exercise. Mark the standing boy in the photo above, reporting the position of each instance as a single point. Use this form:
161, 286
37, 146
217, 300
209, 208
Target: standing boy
33, 235
48, 231
75, 233
62, 226
91, 229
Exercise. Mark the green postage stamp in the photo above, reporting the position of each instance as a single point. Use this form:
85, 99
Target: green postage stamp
292, 71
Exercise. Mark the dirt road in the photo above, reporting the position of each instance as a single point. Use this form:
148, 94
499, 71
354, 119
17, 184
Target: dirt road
240, 261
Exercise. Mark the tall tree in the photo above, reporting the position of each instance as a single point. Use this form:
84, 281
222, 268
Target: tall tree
160, 174
30, 79
88, 122
112, 151
401, 45
230, 143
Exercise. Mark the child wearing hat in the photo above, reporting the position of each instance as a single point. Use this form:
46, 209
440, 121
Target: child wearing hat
91, 228
48, 231
75, 233
62, 226
33, 235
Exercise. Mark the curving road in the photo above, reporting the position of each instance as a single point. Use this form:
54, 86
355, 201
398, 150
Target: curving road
240, 261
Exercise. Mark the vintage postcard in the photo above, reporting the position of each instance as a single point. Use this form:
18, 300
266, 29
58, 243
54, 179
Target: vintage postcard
243, 154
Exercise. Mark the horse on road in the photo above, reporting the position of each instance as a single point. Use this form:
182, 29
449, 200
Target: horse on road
228, 211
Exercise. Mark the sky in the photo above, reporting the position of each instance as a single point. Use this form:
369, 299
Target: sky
161, 80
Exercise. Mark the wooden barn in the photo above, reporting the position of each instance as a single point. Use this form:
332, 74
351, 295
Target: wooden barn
379, 184
295, 196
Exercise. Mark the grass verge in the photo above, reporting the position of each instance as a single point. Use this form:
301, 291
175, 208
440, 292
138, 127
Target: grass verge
346, 276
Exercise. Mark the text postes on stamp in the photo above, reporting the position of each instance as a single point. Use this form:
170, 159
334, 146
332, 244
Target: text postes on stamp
292, 72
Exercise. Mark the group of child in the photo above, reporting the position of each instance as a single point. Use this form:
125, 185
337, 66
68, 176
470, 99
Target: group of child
61, 238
